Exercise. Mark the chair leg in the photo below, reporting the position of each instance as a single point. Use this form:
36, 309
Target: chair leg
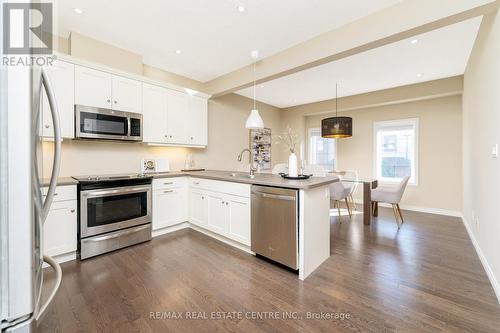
400, 213
374, 207
338, 210
348, 207
395, 210
353, 204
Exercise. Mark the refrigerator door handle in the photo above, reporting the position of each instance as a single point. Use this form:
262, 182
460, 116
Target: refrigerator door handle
57, 145
44, 211
57, 268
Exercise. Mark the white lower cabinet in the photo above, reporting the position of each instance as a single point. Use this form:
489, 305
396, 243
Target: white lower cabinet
198, 208
225, 214
220, 207
169, 207
217, 213
239, 219
60, 227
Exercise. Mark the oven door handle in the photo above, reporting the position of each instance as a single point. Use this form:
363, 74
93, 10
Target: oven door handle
118, 233
115, 191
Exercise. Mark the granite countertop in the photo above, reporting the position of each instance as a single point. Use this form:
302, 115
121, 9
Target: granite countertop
61, 181
265, 179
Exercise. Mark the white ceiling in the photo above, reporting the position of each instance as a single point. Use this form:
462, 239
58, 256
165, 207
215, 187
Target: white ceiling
437, 54
213, 36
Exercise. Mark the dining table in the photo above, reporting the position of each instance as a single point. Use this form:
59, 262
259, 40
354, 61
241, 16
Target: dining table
368, 185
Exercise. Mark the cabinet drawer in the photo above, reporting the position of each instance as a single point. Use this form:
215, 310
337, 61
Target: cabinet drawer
242, 190
62, 193
162, 183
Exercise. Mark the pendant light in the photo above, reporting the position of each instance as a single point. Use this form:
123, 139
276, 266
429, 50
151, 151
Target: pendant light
336, 127
254, 120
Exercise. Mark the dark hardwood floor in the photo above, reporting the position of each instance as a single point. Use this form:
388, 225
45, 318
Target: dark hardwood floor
425, 277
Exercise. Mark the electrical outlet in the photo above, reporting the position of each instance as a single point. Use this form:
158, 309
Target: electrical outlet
494, 150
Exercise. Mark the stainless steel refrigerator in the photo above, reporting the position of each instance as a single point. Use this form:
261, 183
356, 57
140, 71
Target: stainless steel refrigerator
22, 209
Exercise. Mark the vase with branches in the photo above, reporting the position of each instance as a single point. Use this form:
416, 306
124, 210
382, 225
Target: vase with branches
290, 140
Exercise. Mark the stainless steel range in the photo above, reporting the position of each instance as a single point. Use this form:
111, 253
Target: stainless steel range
113, 212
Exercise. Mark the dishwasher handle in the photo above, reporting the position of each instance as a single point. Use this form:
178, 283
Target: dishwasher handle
274, 196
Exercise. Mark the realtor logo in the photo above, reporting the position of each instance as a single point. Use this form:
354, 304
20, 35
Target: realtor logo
27, 28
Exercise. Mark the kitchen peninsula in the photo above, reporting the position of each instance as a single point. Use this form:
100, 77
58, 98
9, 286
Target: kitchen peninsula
313, 209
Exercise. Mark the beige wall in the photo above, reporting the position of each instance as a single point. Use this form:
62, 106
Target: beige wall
227, 136
440, 148
481, 109
90, 49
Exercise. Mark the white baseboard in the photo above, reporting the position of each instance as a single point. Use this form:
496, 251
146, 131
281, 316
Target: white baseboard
184, 225
167, 230
484, 262
429, 210
62, 258
223, 239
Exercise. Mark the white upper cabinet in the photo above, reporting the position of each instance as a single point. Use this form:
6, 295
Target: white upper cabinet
126, 93
170, 117
92, 87
177, 117
198, 123
154, 113
61, 76
103, 90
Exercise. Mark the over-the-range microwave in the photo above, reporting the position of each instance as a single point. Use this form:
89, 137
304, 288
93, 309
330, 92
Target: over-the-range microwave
106, 124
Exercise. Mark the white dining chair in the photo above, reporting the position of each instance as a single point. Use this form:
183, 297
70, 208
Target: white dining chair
315, 170
352, 185
280, 168
392, 195
340, 193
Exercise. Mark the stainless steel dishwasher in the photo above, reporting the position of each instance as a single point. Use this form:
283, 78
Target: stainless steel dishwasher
275, 224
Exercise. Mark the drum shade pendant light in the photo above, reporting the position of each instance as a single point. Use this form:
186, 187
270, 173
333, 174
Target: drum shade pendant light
254, 120
336, 127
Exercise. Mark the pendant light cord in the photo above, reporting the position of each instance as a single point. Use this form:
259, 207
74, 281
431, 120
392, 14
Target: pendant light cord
336, 101
254, 83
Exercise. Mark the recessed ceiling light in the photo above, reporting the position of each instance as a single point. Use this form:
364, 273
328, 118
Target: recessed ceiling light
262, 86
420, 75
178, 51
241, 8
78, 10
414, 41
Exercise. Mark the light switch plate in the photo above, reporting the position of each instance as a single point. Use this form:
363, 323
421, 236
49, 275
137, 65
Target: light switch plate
494, 151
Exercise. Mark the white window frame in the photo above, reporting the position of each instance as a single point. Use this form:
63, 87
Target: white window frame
395, 123
310, 152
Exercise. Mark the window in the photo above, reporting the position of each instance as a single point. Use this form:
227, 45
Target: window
396, 150
322, 151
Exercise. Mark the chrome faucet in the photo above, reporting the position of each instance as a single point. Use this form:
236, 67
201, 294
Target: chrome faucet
250, 157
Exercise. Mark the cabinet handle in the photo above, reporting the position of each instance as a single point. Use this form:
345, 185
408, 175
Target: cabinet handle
192, 138
196, 183
169, 191
227, 203
170, 137
72, 210
202, 198
116, 102
166, 135
47, 126
109, 100
169, 183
